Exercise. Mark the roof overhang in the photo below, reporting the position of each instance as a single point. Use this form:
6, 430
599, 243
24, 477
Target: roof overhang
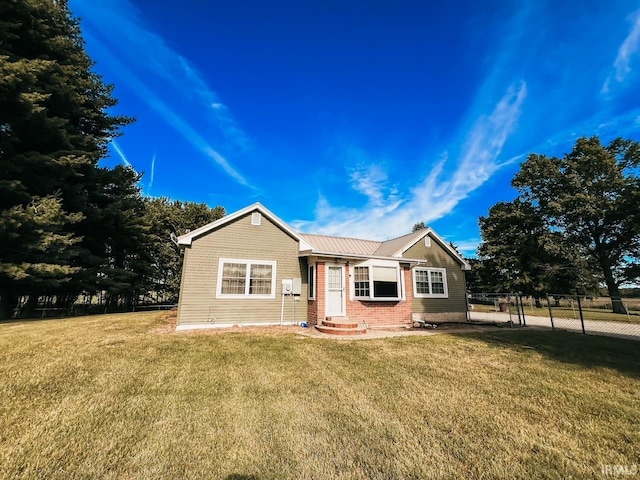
187, 239
352, 256
441, 241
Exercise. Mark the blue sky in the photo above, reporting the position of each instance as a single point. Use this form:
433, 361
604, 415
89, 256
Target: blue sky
361, 118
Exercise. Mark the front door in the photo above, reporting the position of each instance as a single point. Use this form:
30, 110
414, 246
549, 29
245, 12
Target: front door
335, 291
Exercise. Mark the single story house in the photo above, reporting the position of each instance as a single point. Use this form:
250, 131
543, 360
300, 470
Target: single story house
250, 267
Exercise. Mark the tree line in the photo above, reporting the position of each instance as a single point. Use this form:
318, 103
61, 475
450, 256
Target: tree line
573, 228
69, 226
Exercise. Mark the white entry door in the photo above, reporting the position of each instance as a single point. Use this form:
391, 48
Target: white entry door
335, 291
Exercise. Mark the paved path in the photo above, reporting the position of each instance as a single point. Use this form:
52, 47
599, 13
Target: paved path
592, 327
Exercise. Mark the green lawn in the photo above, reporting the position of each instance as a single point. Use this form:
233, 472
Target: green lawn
114, 397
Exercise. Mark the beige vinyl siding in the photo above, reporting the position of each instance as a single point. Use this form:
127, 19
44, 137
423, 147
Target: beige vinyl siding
240, 240
438, 257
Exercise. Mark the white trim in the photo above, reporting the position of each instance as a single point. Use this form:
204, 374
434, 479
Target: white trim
378, 263
429, 232
356, 256
187, 238
248, 263
429, 270
326, 289
312, 281
202, 326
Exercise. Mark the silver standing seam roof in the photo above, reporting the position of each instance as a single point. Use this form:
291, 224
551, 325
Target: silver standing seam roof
348, 246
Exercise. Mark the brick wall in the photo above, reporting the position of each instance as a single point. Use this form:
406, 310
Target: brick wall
376, 313
373, 313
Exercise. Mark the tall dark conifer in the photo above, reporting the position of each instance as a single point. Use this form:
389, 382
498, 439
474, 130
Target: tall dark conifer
54, 128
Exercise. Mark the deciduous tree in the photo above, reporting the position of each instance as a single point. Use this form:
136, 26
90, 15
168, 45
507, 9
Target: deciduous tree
522, 254
590, 197
168, 219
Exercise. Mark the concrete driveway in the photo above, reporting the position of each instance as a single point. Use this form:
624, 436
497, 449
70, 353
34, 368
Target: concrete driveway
592, 327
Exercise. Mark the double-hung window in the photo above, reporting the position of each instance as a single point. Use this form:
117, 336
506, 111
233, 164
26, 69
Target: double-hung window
377, 282
430, 283
246, 278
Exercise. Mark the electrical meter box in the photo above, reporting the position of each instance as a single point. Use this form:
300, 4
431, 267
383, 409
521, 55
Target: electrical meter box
287, 286
292, 286
297, 286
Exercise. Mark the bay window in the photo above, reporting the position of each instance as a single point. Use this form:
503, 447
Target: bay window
377, 282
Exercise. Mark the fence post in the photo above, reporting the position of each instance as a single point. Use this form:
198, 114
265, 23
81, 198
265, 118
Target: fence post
524, 320
626, 309
550, 313
517, 309
581, 317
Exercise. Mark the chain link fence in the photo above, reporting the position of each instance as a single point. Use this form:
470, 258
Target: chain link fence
610, 316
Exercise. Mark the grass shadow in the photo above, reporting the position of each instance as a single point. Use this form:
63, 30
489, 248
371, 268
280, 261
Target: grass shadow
589, 351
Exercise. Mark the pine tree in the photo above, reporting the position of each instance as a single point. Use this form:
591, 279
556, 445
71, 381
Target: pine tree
54, 128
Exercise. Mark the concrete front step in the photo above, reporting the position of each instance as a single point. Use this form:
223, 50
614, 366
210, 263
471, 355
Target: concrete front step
357, 330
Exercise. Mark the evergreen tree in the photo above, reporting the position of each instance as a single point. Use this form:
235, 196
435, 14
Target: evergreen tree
418, 226
168, 219
54, 128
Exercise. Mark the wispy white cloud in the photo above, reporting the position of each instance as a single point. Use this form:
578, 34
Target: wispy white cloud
629, 48
117, 27
450, 181
373, 183
120, 153
153, 172
182, 126
468, 248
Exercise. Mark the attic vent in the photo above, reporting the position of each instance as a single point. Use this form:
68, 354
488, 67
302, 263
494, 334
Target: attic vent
256, 218
427, 241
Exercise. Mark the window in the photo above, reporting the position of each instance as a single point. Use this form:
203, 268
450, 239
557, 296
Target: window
256, 218
430, 282
312, 282
246, 278
361, 281
385, 282
427, 241
377, 282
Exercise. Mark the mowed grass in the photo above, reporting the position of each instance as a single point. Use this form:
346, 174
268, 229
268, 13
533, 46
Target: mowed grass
115, 397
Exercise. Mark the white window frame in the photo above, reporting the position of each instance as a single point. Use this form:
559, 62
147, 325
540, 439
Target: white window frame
372, 298
311, 282
429, 270
246, 295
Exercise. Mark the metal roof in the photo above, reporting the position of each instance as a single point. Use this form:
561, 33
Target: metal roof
355, 246
395, 246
